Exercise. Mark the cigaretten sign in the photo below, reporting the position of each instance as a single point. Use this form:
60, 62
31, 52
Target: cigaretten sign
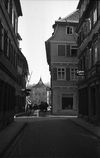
80, 73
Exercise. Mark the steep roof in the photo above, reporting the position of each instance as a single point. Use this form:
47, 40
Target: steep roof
73, 17
41, 84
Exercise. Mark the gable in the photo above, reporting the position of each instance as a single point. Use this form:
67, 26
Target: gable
61, 35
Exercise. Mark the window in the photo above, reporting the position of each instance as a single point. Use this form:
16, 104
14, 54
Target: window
10, 10
15, 59
73, 73
61, 74
90, 24
15, 23
67, 101
65, 50
90, 58
69, 30
1, 36
8, 47
5, 42
73, 52
95, 54
61, 50
6, 3
11, 52
13, 14
95, 16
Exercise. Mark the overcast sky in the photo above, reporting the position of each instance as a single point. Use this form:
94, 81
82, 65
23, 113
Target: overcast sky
35, 27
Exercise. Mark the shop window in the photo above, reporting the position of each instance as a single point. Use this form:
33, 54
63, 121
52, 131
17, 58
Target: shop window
67, 101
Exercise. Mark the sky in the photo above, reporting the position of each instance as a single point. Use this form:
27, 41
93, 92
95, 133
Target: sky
35, 27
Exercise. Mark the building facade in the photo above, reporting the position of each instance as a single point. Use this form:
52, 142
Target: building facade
13, 64
40, 93
61, 50
89, 59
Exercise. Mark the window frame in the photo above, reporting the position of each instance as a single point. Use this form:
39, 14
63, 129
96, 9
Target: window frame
70, 31
95, 15
58, 50
74, 73
61, 78
73, 53
95, 53
90, 58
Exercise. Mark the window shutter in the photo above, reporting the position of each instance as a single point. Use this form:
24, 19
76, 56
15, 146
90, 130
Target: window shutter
54, 74
68, 50
67, 74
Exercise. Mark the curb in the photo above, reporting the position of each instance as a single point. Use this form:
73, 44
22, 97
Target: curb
93, 131
7, 146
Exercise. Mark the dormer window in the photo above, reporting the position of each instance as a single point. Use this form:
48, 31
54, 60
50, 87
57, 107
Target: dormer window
69, 30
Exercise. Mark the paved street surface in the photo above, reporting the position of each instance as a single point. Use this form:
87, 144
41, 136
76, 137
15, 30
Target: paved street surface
55, 138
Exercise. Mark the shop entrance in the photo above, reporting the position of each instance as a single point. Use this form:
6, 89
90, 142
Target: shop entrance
67, 102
